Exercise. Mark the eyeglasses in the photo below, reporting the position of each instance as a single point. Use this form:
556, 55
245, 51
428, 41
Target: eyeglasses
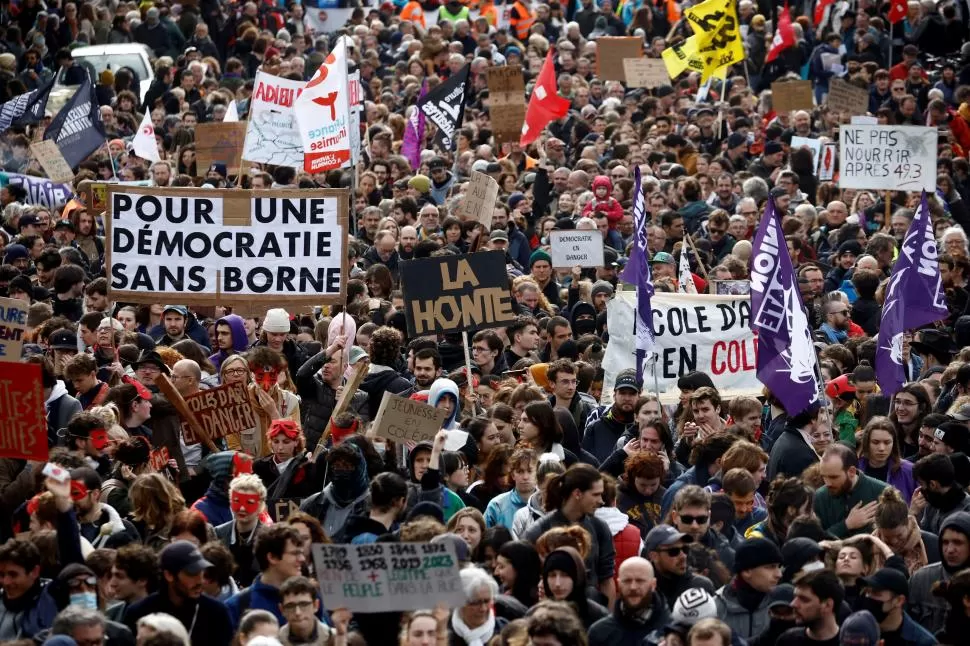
77, 584
297, 605
717, 232
692, 520
477, 349
235, 372
843, 312
905, 403
149, 368
674, 551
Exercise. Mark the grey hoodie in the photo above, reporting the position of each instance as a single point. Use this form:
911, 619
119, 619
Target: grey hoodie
926, 608
529, 514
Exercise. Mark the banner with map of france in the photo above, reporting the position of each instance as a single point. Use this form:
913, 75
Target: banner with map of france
272, 136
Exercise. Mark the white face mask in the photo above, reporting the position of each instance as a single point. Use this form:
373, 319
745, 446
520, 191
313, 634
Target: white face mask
87, 600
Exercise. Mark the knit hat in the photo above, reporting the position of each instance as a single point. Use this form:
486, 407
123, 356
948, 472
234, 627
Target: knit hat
756, 552
601, 287
859, 629
561, 560
15, 252
953, 434
693, 605
514, 200
461, 547
420, 183
277, 321
106, 77
798, 552
536, 256
427, 508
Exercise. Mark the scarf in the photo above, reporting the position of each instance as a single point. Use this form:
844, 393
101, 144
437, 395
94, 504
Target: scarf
839, 335
473, 636
914, 552
24, 601
749, 598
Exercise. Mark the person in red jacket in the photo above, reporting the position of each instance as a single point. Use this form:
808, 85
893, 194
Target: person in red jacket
604, 201
626, 536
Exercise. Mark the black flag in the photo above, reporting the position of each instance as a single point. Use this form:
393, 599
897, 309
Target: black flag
445, 107
77, 129
33, 111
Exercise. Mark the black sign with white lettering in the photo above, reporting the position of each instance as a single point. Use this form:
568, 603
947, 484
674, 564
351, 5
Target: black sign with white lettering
445, 107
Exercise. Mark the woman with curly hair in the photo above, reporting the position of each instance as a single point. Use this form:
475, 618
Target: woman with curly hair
155, 502
640, 490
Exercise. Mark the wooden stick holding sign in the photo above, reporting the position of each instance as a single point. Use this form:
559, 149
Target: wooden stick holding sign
172, 394
350, 388
700, 262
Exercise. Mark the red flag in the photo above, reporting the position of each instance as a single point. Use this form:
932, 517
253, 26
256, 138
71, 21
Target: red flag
820, 10
545, 105
784, 35
897, 11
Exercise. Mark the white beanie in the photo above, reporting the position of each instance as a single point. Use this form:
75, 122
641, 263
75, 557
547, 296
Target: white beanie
692, 606
276, 321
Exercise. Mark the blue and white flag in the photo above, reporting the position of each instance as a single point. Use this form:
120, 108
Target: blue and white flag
787, 364
914, 298
637, 272
77, 129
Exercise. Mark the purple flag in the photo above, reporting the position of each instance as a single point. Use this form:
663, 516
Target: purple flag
786, 357
914, 298
414, 133
637, 272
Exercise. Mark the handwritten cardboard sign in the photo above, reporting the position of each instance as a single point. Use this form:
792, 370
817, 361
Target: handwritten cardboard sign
506, 94
846, 97
280, 510
23, 418
612, 51
403, 420
572, 248
456, 293
645, 72
13, 325
158, 459
219, 142
388, 577
52, 161
792, 95
480, 198
221, 411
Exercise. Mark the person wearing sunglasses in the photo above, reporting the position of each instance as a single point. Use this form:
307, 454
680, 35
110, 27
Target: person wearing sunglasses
691, 515
667, 548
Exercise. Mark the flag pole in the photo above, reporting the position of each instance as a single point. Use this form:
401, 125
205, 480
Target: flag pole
114, 171
700, 262
890, 64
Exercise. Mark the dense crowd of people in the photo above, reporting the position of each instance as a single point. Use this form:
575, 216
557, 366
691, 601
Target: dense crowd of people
578, 516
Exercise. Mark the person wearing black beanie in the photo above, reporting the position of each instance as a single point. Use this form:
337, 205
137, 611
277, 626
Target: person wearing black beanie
564, 579
743, 603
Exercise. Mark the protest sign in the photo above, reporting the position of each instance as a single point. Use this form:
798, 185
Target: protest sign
456, 293
896, 158
272, 136
610, 53
645, 72
13, 325
158, 459
572, 248
388, 577
693, 332
40, 190
323, 113
826, 165
480, 199
792, 95
221, 247
77, 128
846, 97
506, 100
219, 142
815, 145
220, 411
280, 510
403, 420
23, 419
52, 161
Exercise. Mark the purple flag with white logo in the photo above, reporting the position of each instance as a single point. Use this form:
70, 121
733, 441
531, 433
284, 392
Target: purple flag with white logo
637, 272
787, 364
414, 133
914, 298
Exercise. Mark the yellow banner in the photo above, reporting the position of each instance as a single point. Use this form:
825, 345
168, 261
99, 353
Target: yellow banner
716, 42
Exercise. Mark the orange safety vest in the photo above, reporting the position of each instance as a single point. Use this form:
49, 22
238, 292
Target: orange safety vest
488, 12
521, 24
412, 12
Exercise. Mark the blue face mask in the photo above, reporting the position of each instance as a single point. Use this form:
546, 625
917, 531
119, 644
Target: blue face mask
87, 600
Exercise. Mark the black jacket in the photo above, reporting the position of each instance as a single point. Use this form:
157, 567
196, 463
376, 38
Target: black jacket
621, 630
790, 455
376, 384
318, 399
207, 619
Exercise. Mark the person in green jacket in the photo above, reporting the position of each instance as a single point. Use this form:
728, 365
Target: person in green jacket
846, 505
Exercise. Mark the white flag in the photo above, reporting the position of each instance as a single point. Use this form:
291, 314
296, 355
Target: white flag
232, 114
323, 114
144, 144
686, 279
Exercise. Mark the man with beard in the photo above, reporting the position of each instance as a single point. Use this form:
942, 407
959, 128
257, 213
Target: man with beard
427, 368
818, 596
886, 593
317, 382
183, 569
792, 452
781, 616
743, 603
926, 608
939, 495
953, 273
835, 329
639, 612
409, 238
601, 437
99, 521
667, 550
846, 505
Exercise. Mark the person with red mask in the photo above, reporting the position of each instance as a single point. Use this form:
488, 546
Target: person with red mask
287, 472
247, 499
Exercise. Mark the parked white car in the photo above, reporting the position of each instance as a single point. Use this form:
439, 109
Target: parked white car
96, 59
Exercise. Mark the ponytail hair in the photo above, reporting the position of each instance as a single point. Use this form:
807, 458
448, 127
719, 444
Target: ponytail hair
578, 476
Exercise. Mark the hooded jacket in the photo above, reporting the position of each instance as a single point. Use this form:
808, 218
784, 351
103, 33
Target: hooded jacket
609, 206
240, 340
529, 514
620, 629
381, 379
601, 436
568, 561
439, 389
60, 407
743, 622
193, 330
926, 608
933, 517
501, 509
626, 536
643, 511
